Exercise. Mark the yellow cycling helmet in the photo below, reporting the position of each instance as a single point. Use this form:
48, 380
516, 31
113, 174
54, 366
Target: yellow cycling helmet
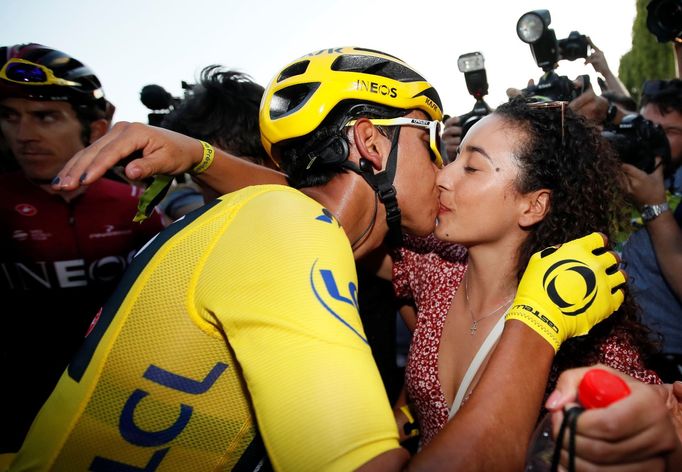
304, 92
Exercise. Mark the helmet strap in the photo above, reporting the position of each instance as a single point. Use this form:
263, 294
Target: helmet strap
382, 183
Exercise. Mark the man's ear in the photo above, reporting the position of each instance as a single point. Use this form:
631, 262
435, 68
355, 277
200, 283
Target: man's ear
535, 207
370, 143
98, 128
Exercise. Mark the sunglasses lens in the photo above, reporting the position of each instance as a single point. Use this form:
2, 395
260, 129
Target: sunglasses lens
25, 73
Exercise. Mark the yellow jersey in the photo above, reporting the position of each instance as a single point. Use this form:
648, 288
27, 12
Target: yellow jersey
236, 327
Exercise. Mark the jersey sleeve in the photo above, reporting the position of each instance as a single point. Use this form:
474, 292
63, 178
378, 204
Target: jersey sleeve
281, 283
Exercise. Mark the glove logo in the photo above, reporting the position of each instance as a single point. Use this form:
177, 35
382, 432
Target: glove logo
560, 279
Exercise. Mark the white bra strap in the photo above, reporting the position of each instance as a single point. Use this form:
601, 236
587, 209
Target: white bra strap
478, 359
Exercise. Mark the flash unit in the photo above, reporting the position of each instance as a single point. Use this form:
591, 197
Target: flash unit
472, 65
470, 62
532, 25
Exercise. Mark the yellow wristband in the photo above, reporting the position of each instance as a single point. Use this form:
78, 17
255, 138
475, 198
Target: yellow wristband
206, 159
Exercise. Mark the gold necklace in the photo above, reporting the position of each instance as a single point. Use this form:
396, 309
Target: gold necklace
474, 321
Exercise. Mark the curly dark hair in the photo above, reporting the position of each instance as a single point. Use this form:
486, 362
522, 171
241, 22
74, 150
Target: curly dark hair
567, 155
223, 110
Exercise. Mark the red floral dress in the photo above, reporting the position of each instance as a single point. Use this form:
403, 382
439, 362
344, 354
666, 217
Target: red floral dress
429, 273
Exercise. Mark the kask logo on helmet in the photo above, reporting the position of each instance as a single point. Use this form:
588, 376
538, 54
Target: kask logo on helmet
325, 51
375, 87
563, 282
432, 105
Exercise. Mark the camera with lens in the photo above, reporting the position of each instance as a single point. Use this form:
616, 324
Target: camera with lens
638, 141
533, 29
472, 65
553, 86
161, 102
664, 19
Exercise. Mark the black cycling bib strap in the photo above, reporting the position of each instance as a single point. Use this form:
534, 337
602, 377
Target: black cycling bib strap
388, 195
382, 183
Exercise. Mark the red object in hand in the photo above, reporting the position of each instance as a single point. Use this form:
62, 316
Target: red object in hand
599, 388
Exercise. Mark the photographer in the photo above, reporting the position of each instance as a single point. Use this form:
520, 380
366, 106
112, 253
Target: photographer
653, 254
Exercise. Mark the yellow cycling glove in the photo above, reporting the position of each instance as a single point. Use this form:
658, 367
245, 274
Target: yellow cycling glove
568, 289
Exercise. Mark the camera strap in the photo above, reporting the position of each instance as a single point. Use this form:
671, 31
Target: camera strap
569, 423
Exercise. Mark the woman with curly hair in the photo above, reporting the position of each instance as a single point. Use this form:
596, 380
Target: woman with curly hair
526, 177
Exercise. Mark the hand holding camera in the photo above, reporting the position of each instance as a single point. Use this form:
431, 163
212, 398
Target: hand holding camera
645, 188
639, 142
452, 136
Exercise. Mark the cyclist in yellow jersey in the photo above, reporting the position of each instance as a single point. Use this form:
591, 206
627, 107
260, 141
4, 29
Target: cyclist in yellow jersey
155, 384
239, 322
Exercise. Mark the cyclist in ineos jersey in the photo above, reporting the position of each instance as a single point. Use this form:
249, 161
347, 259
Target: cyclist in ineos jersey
61, 253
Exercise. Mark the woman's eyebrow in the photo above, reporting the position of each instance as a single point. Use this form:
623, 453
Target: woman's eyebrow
479, 150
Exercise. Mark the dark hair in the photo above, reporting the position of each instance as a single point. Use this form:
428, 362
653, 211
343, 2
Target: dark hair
223, 110
665, 95
302, 159
564, 153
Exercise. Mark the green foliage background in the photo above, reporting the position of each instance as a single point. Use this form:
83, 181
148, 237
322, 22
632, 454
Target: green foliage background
647, 59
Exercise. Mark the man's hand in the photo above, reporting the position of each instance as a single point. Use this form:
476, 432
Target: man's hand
568, 289
160, 152
452, 136
637, 432
590, 105
598, 60
643, 188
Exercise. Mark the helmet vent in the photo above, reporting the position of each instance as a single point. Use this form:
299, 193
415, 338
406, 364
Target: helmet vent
373, 65
293, 70
290, 99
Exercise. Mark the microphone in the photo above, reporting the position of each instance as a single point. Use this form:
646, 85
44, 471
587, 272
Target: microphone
156, 97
